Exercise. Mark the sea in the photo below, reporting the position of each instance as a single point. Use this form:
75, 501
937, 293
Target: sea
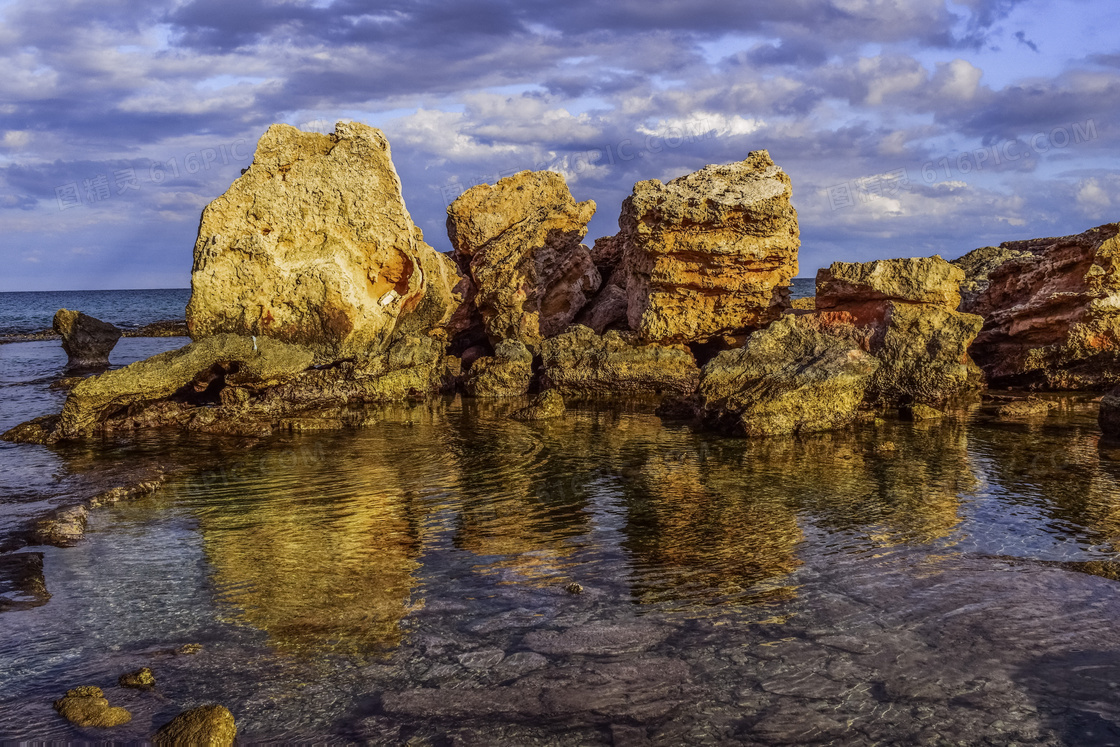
449, 576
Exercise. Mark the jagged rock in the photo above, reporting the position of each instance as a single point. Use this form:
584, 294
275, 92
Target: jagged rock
710, 253
313, 246
905, 310
519, 242
580, 362
1052, 313
209, 726
86, 706
977, 264
545, 405
141, 679
22, 586
794, 376
1109, 416
507, 373
87, 341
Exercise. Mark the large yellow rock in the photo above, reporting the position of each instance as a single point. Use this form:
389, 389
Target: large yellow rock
519, 242
313, 245
711, 253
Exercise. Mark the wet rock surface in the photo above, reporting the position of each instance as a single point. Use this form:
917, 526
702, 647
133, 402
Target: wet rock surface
544, 406
210, 725
519, 244
507, 373
141, 679
86, 706
1051, 312
87, 341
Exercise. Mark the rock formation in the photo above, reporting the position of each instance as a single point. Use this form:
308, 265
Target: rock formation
1051, 312
580, 363
709, 254
906, 311
87, 341
519, 244
507, 373
794, 376
545, 405
313, 246
86, 706
210, 725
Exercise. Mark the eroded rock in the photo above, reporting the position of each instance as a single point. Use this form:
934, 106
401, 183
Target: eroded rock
87, 341
507, 373
86, 706
209, 725
519, 242
1052, 312
313, 246
580, 362
711, 253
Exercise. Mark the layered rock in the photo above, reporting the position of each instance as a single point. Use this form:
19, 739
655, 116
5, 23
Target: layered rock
905, 310
87, 341
313, 246
507, 373
794, 376
580, 362
519, 243
709, 254
1052, 312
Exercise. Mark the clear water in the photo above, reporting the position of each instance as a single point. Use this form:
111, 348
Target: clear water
33, 311
932, 583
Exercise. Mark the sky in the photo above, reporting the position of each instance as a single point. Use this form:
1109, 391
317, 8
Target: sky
908, 127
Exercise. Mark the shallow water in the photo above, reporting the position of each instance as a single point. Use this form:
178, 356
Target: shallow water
901, 583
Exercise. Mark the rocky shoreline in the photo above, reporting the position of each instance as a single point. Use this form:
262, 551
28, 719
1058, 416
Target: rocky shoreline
314, 295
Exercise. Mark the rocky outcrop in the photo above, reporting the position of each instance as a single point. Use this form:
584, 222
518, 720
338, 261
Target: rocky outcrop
209, 725
86, 706
709, 254
313, 246
548, 404
978, 263
580, 362
519, 243
794, 376
1052, 313
87, 341
507, 373
905, 311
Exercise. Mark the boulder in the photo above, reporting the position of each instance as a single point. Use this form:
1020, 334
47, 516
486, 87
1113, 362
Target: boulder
507, 373
86, 706
905, 311
206, 726
519, 243
313, 246
87, 341
710, 253
141, 679
794, 376
1109, 416
1052, 312
580, 362
548, 404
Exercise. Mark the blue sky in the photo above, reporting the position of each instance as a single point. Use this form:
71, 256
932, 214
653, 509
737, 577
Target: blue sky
909, 127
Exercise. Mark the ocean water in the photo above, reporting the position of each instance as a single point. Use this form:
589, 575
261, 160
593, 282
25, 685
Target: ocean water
449, 576
33, 311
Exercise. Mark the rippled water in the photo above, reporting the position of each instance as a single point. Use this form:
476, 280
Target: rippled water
33, 311
409, 582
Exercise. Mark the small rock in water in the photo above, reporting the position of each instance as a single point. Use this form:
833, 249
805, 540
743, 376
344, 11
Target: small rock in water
141, 679
87, 341
87, 706
1025, 408
921, 412
207, 725
62, 528
574, 588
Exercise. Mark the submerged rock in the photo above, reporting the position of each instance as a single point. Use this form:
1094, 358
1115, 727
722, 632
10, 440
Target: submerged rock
711, 253
580, 362
313, 246
545, 405
1051, 312
22, 586
794, 376
141, 679
519, 243
86, 706
209, 725
87, 341
64, 527
1025, 408
507, 373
